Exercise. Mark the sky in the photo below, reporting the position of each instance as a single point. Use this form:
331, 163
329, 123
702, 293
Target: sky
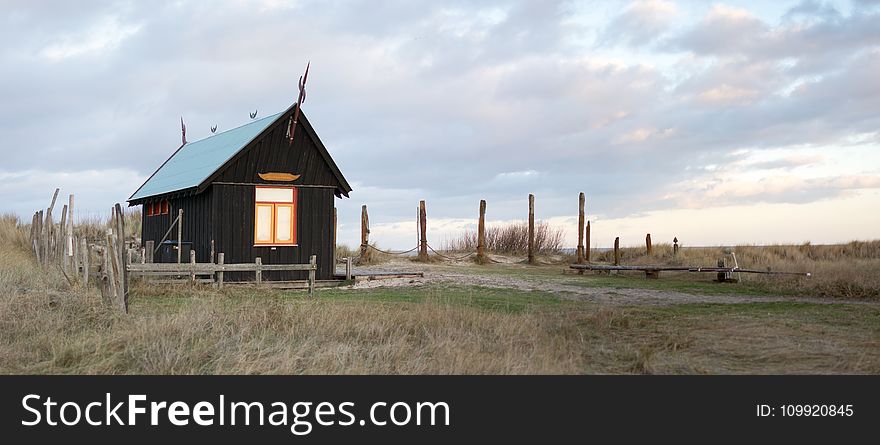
717, 123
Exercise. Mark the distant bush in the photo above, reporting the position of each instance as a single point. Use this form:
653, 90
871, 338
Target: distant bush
511, 239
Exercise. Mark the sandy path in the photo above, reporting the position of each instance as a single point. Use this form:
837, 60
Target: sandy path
604, 295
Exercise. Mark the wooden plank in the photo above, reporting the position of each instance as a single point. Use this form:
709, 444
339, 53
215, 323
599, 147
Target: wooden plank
531, 228
258, 263
170, 273
348, 268
580, 246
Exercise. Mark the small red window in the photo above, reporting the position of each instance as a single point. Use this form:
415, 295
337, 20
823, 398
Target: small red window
157, 208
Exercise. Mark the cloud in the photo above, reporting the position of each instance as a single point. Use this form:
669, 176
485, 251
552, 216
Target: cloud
640, 23
452, 102
105, 35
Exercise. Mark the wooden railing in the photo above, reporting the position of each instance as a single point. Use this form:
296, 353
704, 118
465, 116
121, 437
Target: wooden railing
216, 270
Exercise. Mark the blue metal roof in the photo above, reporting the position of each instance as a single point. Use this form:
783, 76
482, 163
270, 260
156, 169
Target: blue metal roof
196, 161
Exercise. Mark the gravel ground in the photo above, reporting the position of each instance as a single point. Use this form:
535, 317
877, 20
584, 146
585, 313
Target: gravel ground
446, 273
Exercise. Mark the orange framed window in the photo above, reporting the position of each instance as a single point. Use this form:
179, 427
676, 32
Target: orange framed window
275, 216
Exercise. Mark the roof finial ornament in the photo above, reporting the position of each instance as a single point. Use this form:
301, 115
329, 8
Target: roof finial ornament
302, 98
254, 114
182, 131
214, 129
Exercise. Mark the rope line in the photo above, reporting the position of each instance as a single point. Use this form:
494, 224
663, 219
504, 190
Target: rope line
448, 257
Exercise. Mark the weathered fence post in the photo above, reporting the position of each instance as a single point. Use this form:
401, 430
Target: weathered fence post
348, 268
179, 234
259, 264
84, 262
365, 231
124, 277
73, 259
587, 245
212, 252
143, 255
61, 240
481, 233
150, 248
531, 228
423, 228
580, 246
649, 248
192, 267
617, 251
675, 246
220, 270
313, 266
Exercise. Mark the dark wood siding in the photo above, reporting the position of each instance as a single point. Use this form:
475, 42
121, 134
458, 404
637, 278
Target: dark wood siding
273, 153
224, 210
234, 206
197, 223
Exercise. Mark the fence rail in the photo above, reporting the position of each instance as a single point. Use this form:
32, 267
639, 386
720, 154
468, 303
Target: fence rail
193, 269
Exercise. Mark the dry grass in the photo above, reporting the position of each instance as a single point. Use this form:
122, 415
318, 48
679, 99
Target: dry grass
512, 239
849, 270
419, 330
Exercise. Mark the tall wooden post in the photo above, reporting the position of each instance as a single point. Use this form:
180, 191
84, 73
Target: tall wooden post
481, 233
675, 246
531, 228
423, 230
179, 233
587, 246
365, 231
649, 248
580, 246
617, 251
335, 226
212, 251
124, 277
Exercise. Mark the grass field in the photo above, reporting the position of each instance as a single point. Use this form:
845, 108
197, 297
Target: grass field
461, 319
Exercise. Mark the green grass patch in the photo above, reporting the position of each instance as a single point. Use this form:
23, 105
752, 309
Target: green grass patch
503, 300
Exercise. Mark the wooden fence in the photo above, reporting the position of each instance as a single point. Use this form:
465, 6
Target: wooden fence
215, 271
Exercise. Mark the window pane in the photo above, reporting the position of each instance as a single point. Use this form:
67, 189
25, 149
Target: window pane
264, 224
274, 194
283, 220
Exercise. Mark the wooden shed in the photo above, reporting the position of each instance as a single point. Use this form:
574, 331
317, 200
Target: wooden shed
250, 193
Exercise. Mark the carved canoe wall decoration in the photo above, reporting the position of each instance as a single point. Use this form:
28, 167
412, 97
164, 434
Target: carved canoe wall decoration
274, 176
